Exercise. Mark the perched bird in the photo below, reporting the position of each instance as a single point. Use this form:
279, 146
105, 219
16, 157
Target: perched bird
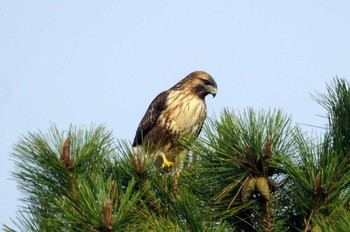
178, 112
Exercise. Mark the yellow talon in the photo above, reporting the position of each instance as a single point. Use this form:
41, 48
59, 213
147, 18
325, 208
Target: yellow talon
166, 162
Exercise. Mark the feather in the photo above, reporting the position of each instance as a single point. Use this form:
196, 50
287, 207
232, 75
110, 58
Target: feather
150, 118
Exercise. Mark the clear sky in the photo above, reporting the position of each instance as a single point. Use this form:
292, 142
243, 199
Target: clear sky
83, 62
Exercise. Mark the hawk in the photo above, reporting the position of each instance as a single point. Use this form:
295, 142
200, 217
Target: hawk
178, 112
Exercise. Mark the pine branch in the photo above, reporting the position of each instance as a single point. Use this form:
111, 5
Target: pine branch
48, 166
237, 150
320, 170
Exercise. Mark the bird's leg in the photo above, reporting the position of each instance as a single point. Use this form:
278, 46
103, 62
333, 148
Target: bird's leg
166, 162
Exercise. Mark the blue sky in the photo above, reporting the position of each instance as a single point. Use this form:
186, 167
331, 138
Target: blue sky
83, 62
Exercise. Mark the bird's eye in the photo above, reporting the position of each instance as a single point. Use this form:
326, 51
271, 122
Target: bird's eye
206, 82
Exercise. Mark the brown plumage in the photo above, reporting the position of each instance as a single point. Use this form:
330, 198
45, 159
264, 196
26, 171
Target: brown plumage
177, 112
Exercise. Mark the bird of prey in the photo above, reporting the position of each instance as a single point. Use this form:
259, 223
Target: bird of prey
178, 112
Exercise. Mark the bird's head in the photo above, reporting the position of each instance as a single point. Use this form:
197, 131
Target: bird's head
202, 84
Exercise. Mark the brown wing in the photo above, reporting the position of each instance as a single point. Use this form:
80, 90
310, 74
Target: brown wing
150, 118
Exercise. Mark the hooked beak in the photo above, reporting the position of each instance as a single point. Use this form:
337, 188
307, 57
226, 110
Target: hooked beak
212, 91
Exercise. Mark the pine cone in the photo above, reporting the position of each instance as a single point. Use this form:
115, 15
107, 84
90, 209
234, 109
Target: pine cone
263, 186
247, 189
316, 228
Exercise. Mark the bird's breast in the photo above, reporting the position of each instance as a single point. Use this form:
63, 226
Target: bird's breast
184, 114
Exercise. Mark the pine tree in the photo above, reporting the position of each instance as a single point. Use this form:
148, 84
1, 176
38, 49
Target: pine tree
249, 171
